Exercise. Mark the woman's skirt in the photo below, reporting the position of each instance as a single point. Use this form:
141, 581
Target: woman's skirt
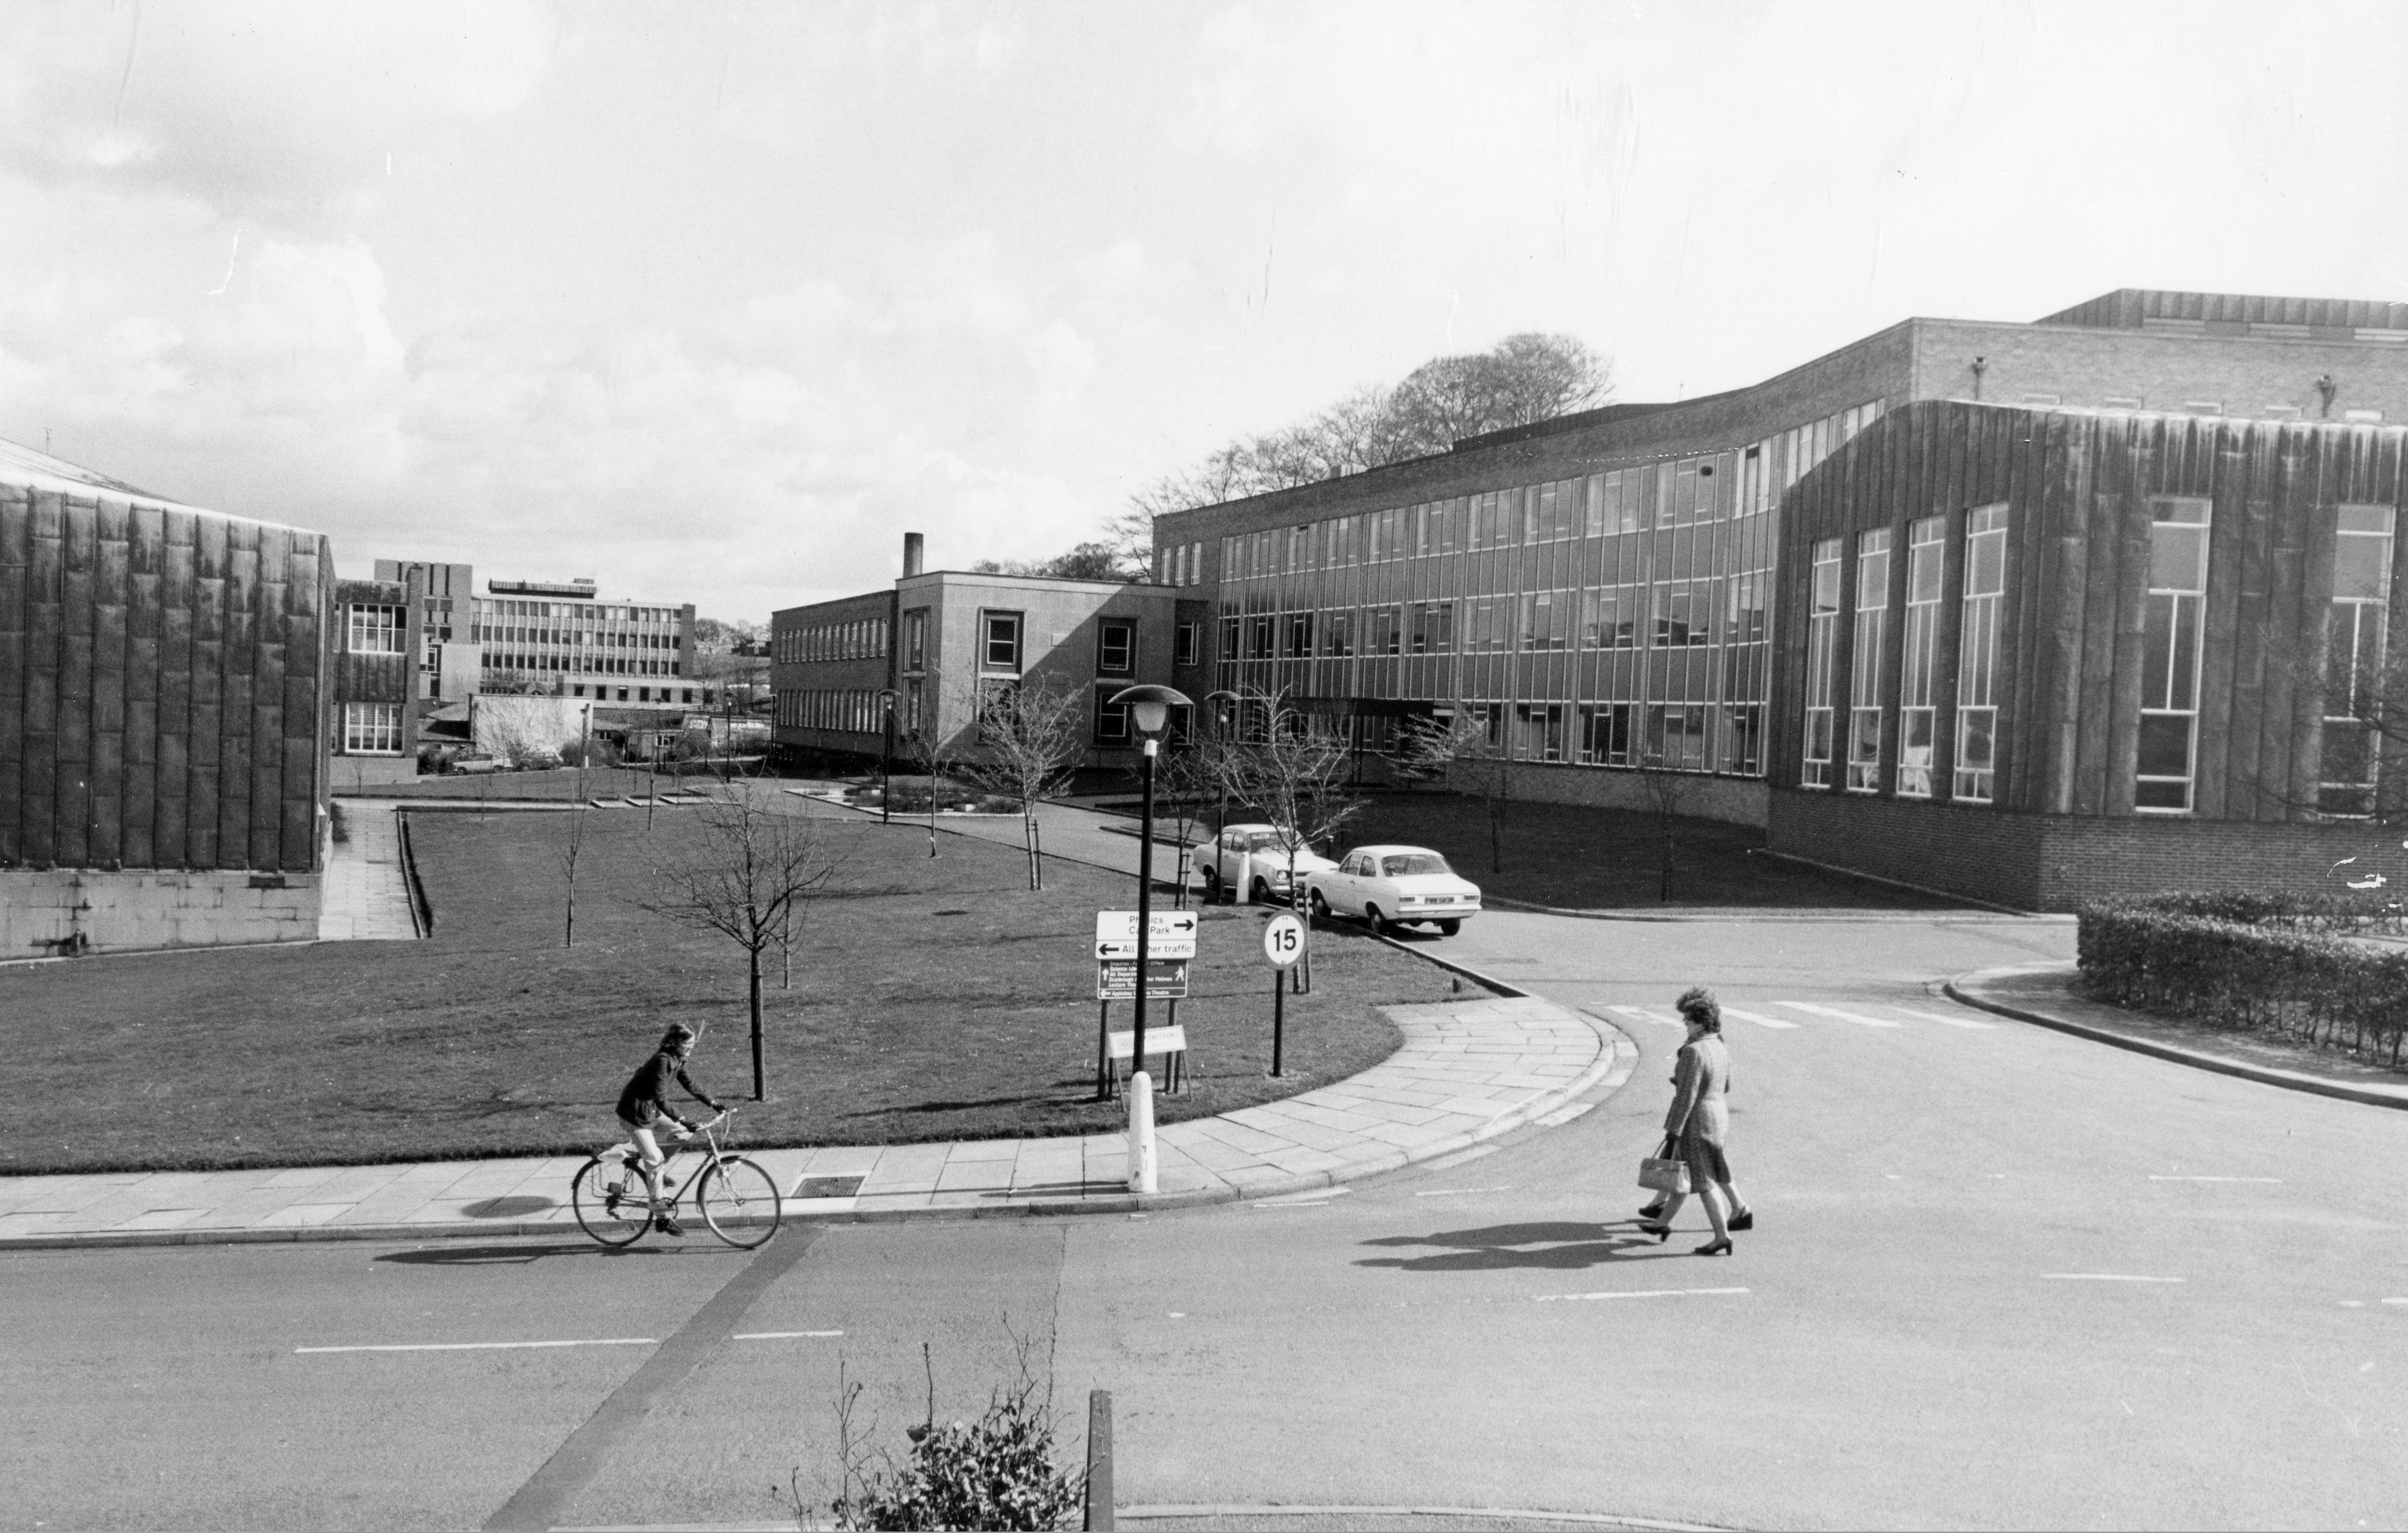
1707, 1166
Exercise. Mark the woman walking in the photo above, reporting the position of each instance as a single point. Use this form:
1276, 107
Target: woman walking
1699, 1121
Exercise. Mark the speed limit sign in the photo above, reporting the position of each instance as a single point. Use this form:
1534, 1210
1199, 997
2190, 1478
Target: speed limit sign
1283, 940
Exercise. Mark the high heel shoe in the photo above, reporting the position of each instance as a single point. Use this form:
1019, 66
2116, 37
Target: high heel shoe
1717, 1248
1661, 1232
1652, 1210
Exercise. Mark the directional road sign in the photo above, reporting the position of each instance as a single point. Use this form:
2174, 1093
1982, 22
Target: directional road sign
1166, 979
1172, 935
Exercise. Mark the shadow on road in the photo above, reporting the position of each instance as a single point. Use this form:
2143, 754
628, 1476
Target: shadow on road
497, 1255
1557, 1246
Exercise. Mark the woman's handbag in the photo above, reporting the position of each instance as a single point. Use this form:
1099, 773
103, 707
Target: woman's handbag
1664, 1172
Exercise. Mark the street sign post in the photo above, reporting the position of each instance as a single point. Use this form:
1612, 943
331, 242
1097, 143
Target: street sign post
1170, 945
1283, 944
1170, 934
1166, 979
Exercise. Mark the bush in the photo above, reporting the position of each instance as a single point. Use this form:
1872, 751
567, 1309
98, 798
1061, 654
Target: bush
2279, 964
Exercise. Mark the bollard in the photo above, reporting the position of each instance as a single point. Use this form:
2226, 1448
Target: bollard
1141, 1131
1100, 1461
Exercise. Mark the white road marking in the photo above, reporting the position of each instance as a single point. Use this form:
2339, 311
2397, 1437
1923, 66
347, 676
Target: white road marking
2395, 1301
1946, 1021
1304, 1200
2273, 1179
2103, 1277
1454, 1191
781, 1335
1635, 1292
1640, 1013
492, 1346
1857, 1017
1757, 1017
1323, 1204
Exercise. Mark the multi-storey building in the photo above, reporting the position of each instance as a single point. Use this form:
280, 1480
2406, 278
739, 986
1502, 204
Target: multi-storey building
377, 698
1599, 589
932, 643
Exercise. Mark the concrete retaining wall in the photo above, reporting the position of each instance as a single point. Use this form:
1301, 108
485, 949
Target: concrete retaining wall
53, 914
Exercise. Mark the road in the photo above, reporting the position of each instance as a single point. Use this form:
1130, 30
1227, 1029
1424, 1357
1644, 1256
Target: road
2001, 1278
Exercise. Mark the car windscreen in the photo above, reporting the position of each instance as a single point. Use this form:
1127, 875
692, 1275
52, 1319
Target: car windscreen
1261, 840
1415, 864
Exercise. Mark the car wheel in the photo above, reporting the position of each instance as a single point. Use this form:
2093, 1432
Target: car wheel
1377, 923
1262, 891
1320, 907
1211, 886
1448, 928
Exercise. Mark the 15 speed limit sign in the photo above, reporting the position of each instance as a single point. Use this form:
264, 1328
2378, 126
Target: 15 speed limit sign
1283, 940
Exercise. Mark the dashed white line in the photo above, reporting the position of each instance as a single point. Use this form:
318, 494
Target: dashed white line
1946, 1021
2273, 1181
1757, 1017
1635, 1292
1640, 1013
492, 1346
1858, 1017
1457, 1191
2103, 1277
781, 1335
1305, 1200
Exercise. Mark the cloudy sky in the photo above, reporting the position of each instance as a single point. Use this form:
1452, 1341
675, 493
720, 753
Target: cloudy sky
713, 301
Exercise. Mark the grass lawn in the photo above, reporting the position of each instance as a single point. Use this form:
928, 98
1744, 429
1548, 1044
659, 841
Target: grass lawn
560, 783
932, 999
1575, 857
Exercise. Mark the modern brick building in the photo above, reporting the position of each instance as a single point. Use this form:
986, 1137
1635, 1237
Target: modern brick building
1601, 589
377, 701
163, 690
940, 637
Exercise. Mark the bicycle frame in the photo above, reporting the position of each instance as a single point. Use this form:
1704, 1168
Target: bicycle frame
714, 1150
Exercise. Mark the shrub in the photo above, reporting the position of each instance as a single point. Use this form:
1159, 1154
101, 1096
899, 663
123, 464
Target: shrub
2278, 964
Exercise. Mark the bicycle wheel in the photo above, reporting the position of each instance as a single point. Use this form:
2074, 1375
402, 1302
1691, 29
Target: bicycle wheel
739, 1201
611, 1202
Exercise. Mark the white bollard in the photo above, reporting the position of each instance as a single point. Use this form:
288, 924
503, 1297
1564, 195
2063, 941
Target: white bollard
1140, 1133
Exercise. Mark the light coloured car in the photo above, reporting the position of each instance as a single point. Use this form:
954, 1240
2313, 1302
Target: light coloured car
1396, 885
1251, 859
477, 764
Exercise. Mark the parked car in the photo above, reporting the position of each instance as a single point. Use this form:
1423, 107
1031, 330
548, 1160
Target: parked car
1251, 858
477, 764
1396, 885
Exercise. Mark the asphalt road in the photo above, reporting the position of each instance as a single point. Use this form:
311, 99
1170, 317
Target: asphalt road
2001, 1278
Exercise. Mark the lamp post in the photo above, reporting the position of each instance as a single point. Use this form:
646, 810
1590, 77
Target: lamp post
1149, 708
885, 753
1220, 737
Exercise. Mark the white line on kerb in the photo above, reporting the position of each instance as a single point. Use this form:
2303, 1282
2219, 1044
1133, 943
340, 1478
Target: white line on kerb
781, 1336
493, 1346
2273, 1179
1636, 1293
2103, 1277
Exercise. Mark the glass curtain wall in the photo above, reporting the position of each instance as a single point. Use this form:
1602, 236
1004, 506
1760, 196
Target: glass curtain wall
2170, 646
2361, 597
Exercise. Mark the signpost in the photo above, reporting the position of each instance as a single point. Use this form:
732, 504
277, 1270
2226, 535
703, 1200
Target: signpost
1283, 944
1168, 947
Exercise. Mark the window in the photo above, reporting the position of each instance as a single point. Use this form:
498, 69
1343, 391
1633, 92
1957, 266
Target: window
1337, 633
1546, 620
2354, 659
1115, 647
1610, 618
1230, 633
1300, 635
915, 639
372, 728
911, 705
1682, 614
1676, 735
1977, 655
1433, 627
1189, 645
1539, 731
376, 630
2170, 646
1917, 717
1864, 684
1000, 632
1744, 738
1112, 719
1381, 630
1605, 734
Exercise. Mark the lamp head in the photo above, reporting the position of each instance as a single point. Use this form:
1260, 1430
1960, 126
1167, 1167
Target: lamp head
1150, 706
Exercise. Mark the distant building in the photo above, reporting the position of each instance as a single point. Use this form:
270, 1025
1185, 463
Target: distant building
163, 705
377, 704
938, 638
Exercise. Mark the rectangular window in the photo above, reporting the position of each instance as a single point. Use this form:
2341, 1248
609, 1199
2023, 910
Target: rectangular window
1605, 734
1744, 739
1231, 633
1382, 630
915, 639
1433, 627
376, 630
1676, 735
1546, 620
1262, 640
1977, 655
1115, 647
1337, 633
1300, 635
1745, 619
1864, 690
1682, 615
1112, 719
1821, 653
1000, 641
2354, 639
1539, 731
1918, 682
1189, 647
2169, 645
372, 730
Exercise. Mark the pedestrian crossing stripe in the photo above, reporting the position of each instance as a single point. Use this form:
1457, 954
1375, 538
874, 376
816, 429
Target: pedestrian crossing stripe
1664, 1016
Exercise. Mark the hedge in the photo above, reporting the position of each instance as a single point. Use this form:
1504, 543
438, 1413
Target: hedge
2286, 965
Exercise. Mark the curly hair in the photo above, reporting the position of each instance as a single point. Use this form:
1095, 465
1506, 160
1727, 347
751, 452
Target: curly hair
677, 1035
1697, 1004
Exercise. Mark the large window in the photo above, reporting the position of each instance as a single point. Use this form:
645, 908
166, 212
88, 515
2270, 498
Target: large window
1822, 647
1337, 633
1300, 635
1546, 619
1433, 627
372, 730
375, 629
1676, 735
1382, 630
915, 639
1112, 719
1918, 712
1864, 682
1115, 647
1977, 655
1605, 734
2177, 605
1189, 644
2354, 659
1000, 634
1539, 731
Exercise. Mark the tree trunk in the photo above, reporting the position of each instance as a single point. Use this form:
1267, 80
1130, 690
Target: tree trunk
760, 1069
569, 935
1496, 834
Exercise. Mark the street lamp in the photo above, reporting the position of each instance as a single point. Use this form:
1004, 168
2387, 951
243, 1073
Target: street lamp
885, 752
1221, 737
1149, 707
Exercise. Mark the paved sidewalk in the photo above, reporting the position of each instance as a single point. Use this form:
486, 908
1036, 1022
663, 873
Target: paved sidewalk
365, 892
2044, 995
1467, 1071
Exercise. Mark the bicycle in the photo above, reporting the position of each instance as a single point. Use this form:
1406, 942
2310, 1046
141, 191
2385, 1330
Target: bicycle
735, 1197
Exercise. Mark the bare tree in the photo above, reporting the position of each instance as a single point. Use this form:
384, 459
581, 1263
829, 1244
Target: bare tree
1297, 777
1184, 777
1031, 734
741, 875
1467, 750
571, 848
924, 750
1668, 791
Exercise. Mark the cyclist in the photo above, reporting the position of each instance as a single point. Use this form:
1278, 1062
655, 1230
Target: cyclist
644, 1103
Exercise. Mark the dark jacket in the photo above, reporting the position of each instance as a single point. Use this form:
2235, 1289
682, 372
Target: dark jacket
645, 1100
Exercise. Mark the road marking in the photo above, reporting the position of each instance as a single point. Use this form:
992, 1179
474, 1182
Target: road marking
1636, 1293
1455, 1191
1857, 1017
1946, 1021
1304, 1200
2395, 1301
1323, 1204
1757, 1017
781, 1336
2274, 1179
2103, 1277
1447, 1162
492, 1346
1640, 1013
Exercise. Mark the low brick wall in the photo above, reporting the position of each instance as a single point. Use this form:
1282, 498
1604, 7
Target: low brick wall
349, 774
1741, 801
2037, 862
43, 914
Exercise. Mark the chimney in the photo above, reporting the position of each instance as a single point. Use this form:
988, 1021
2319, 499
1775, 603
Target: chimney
913, 547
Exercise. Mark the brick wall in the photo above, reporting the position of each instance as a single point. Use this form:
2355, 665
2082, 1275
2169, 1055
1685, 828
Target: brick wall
131, 911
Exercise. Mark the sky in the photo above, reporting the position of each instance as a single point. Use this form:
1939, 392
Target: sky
713, 301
